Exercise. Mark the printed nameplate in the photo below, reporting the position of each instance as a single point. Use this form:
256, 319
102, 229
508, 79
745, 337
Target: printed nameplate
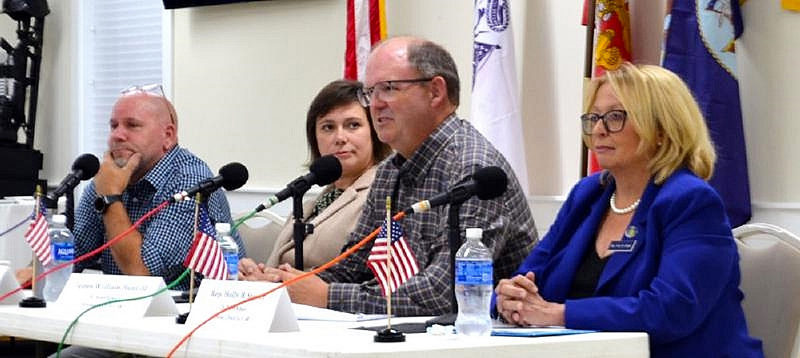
272, 313
85, 290
8, 283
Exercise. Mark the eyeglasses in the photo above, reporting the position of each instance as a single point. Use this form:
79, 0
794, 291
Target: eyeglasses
154, 89
613, 121
385, 90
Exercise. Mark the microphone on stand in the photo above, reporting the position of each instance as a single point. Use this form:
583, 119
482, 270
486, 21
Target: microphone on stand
231, 177
84, 167
486, 183
325, 170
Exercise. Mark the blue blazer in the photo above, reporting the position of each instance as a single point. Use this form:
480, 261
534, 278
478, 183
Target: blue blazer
680, 283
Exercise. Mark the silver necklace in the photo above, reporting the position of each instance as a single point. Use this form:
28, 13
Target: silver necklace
624, 210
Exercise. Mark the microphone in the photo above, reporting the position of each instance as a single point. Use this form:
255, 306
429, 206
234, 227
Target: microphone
84, 167
323, 171
231, 177
487, 183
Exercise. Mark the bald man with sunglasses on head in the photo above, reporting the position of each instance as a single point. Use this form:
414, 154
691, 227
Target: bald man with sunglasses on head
143, 167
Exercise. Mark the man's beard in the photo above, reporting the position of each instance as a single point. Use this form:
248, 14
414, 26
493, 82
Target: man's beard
120, 162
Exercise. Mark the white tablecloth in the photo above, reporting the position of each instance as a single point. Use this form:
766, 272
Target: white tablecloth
13, 247
156, 335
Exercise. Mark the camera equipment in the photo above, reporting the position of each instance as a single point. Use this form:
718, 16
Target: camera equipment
21, 163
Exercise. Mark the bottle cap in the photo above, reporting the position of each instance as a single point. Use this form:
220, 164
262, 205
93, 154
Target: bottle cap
222, 228
59, 219
474, 233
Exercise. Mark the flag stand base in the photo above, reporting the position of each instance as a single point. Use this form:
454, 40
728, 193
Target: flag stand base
389, 335
33, 302
181, 318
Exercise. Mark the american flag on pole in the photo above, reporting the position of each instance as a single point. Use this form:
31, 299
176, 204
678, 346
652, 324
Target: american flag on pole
205, 256
366, 25
404, 265
37, 237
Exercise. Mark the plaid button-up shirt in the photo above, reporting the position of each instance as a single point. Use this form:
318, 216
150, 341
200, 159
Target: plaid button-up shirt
451, 153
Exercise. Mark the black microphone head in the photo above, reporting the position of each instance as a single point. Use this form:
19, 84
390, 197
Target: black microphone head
234, 175
326, 170
87, 164
490, 182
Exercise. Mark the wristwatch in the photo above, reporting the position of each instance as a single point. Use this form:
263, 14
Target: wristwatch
102, 202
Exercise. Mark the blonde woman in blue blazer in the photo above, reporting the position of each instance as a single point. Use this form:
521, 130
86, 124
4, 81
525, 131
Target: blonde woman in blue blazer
644, 245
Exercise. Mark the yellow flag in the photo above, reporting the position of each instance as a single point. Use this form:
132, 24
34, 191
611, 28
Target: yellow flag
791, 4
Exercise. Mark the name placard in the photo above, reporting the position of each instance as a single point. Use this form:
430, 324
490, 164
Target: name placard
85, 290
272, 313
7, 283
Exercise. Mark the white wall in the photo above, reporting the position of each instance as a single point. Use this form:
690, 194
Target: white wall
284, 51
769, 83
245, 73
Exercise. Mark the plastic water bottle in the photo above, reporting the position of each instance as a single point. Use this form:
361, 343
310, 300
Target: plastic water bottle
474, 286
63, 250
230, 250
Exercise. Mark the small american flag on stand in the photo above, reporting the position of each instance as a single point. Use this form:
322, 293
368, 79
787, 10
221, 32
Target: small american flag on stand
37, 236
404, 265
205, 256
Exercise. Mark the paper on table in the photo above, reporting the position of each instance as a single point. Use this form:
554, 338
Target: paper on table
311, 313
537, 331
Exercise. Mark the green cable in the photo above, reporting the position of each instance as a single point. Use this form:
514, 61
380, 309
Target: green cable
75, 321
242, 219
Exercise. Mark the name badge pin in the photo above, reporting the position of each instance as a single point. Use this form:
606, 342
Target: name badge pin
622, 246
628, 242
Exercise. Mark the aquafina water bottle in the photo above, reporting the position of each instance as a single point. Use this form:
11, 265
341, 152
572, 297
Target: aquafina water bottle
474, 285
63, 250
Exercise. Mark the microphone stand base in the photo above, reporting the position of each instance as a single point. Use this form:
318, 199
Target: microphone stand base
447, 319
181, 318
389, 335
33, 302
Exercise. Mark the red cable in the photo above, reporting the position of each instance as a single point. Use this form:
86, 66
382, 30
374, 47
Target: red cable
91, 253
324, 267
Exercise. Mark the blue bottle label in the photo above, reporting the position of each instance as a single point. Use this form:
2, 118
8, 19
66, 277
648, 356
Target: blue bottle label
472, 272
233, 263
63, 251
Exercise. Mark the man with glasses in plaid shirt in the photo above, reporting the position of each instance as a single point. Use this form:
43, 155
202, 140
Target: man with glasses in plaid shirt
412, 90
144, 166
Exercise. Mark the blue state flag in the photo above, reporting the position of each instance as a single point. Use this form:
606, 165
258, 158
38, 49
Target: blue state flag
700, 48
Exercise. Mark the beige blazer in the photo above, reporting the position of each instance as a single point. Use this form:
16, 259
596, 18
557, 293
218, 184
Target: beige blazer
332, 227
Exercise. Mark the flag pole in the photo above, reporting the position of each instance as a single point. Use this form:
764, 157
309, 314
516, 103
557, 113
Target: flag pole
389, 335
36, 208
587, 75
389, 261
181, 319
197, 199
33, 301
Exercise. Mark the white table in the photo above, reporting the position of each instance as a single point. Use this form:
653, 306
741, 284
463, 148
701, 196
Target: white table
13, 247
156, 336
